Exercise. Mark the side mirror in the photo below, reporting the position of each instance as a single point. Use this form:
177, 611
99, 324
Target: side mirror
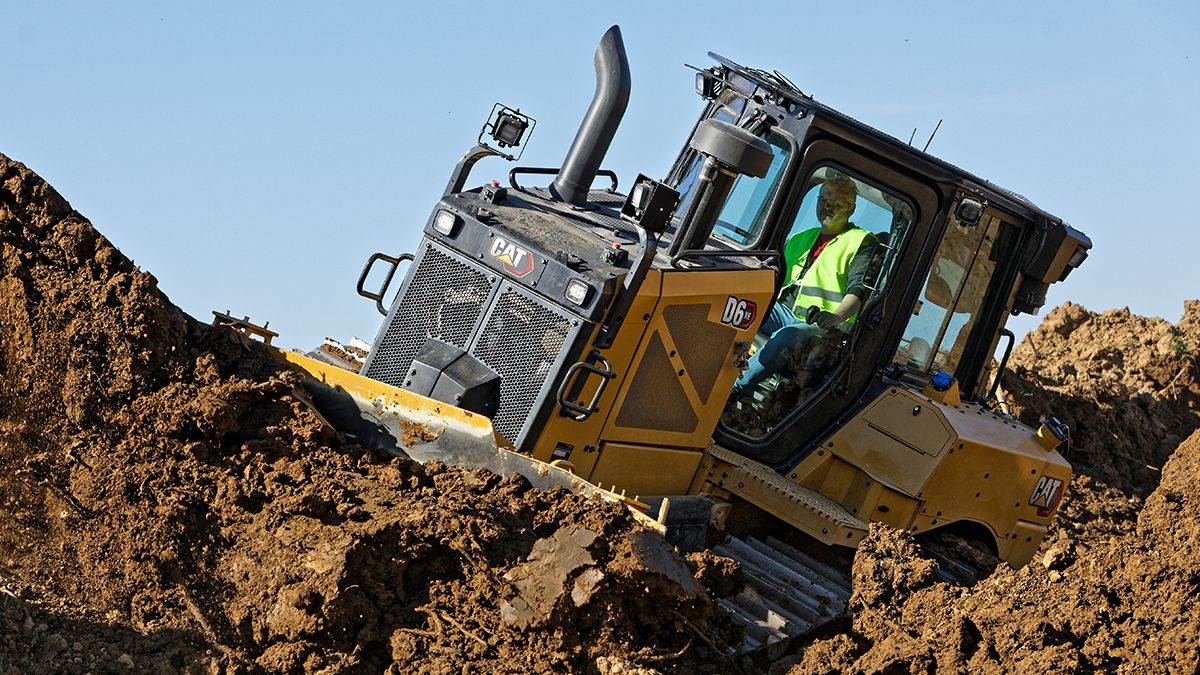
733, 148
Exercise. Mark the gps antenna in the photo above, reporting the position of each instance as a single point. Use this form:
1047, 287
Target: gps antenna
939, 126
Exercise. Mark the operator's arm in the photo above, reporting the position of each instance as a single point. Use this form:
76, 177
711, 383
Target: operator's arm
840, 314
848, 307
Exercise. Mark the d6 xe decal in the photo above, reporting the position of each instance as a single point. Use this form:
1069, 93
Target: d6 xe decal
739, 313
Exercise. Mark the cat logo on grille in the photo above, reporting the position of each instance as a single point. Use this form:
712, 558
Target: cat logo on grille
516, 261
739, 313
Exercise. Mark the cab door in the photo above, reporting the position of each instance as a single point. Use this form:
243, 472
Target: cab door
827, 376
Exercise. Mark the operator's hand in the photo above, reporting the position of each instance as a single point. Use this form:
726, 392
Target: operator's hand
828, 321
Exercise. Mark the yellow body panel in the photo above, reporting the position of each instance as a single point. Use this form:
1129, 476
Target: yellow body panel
892, 444
944, 464
705, 293
673, 362
645, 470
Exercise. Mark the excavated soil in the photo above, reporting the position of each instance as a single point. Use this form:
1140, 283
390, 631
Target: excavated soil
169, 503
1115, 584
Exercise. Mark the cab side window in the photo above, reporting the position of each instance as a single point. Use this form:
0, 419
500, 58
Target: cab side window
950, 301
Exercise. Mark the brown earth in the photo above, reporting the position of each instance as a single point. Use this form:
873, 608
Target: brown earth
1115, 584
170, 503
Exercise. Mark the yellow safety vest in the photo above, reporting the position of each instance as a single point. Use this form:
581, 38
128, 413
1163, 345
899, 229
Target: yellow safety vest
824, 284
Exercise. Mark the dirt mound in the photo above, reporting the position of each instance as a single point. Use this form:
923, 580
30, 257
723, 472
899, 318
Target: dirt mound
1114, 585
1129, 387
170, 503
1124, 603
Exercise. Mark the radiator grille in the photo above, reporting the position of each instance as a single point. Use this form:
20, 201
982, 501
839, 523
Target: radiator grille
656, 399
444, 300
522, 342
701, 344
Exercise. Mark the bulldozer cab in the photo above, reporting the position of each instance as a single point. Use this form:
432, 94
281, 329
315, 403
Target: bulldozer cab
945, 258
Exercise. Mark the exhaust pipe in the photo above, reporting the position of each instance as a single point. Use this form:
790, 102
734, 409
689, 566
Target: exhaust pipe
599, 125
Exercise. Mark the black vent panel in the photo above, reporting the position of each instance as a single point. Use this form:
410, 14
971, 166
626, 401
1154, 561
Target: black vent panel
701, 344
523, 342
444, 299
656, 399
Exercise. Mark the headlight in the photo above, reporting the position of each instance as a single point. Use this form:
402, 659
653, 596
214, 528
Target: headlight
577, 291
445, 222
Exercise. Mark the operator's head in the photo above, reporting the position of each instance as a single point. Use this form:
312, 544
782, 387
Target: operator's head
836, 202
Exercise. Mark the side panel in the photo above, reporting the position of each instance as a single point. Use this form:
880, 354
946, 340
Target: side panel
673, 363
898, 438
645, 470
685, 367
918, 464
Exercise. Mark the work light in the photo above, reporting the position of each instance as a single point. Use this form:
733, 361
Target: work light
445, 222
577, 291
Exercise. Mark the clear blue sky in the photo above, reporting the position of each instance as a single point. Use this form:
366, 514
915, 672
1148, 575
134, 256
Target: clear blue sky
252, 155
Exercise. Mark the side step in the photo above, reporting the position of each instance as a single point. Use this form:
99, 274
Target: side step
787, 594
807, 510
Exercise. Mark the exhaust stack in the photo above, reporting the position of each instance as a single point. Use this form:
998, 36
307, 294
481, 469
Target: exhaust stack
599, 125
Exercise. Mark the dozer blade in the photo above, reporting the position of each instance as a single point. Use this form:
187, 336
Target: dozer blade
378, 415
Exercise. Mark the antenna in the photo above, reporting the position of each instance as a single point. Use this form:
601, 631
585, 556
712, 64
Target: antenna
912, 136
939, 126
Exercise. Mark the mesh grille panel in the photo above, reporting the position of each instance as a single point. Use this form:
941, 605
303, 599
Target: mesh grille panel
656, 399
521, 343
443, 301
700, 343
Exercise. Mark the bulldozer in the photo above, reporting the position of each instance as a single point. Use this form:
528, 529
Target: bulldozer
597, 341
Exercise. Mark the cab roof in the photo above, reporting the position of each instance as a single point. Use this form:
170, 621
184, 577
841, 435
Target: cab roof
785, 92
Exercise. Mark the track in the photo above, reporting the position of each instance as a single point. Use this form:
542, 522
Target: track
788, 592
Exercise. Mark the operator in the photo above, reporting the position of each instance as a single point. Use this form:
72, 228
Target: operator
827, 267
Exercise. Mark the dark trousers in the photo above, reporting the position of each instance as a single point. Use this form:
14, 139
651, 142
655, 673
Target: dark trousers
787, 334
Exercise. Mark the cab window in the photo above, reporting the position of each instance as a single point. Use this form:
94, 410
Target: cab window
951, 298
838, 258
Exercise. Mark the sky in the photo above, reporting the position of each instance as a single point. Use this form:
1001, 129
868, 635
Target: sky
252, 156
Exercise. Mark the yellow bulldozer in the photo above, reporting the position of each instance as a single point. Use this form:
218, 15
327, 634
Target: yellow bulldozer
603, 342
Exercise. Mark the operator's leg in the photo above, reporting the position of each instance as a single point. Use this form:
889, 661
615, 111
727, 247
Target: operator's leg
779, 319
